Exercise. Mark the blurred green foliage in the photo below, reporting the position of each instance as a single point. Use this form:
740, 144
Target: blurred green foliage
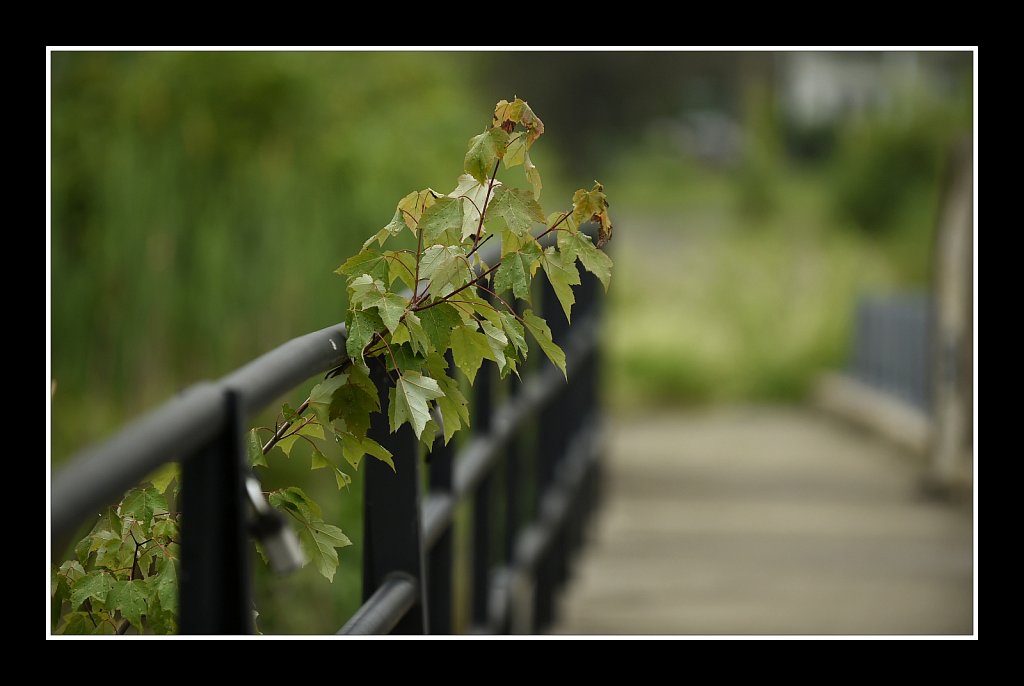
201, 202
883, 164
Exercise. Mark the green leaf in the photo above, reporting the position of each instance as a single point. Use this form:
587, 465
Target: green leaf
405, 359
453, 405
469, 348
318, 538
442, 222
516, 270
414, 204
389, 306
76, 623
438, 322
380, 237
418, 339
515, 332
484, 152
129, 598
317, 459
341, 478
538, 328
142, 503
160, 621
362, 326
322, 395
410, 398
311, 430
95, 586
368, 262
398, 222
497, 341
353, 406
166, 529
354, 447
111, 550
473, 195
516, 152
482, 307
516, 208
562, 274
164, 585
595, 261
162, 478
533, 176
71, 570
446, 267
401, 266
319, 542
254, 449
293, 499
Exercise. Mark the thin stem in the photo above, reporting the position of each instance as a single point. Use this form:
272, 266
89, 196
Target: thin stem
458, 290
511, 309
555, 225
478, 245
279, 434
419, 255
487, 197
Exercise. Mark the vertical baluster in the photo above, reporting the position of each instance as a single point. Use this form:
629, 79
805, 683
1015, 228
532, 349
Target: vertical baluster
215, 583
439, 573
391, 520
483, 408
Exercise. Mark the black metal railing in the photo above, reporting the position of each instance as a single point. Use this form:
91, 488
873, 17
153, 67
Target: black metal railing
530, 465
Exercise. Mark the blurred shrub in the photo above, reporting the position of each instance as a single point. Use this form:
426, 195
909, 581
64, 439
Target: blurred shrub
200, 202
884, 163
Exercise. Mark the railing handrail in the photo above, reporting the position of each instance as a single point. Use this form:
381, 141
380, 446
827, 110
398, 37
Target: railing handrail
99, 475
408, 533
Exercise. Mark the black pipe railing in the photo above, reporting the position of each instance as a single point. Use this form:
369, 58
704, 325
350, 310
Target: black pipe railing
530, 466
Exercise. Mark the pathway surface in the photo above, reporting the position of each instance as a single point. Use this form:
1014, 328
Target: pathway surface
767, 521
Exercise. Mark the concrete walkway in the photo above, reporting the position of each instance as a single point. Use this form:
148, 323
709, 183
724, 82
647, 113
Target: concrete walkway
767, 521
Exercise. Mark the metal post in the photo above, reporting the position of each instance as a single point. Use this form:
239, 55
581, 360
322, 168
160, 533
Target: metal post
439, 573
391, 521
214, 590
483, 399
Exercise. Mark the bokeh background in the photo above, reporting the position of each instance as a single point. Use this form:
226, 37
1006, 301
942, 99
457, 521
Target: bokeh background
200, 202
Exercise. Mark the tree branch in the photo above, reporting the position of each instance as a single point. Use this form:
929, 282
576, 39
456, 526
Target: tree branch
487, 197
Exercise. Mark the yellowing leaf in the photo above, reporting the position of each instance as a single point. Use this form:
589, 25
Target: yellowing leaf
593, 205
